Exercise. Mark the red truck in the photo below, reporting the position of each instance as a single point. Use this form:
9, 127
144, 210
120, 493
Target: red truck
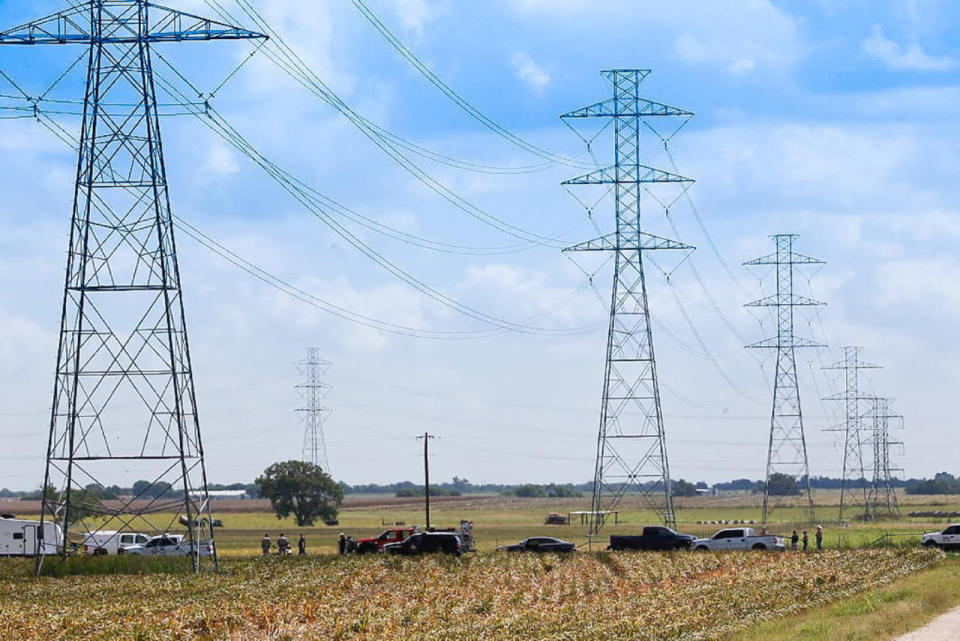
393, 535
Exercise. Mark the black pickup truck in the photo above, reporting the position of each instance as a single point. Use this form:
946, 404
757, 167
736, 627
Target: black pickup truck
653, 538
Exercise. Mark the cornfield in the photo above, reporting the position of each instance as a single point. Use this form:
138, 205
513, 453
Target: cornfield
602, 596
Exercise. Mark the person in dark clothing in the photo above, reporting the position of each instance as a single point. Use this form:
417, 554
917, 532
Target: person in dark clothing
265, 544
342, 544
283, 545
794, 540
805, 540
302, 545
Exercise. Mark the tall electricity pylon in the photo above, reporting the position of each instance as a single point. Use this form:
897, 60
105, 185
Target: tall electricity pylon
631, 444
123, 399
852, 426
882, 497
787, 447
313, 389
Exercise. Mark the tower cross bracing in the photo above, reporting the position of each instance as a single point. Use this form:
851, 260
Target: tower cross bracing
854, 472
882, 497
631, 442
124, 401
313, 390
787, 444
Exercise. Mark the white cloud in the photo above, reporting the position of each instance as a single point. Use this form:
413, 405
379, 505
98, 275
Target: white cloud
921, 282
221, 161
913, 58
535, 76
738, 36
741, 39
742, 66
413, 14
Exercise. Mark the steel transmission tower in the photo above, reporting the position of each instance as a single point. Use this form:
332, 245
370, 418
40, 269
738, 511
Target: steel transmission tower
123, 400
787, 447
313, 390
631, 444
882, 498
852, 426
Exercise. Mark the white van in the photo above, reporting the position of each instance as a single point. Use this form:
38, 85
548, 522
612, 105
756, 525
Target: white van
19, 537
106, 542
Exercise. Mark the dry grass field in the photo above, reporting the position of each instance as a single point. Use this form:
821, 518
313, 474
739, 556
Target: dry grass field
589, 597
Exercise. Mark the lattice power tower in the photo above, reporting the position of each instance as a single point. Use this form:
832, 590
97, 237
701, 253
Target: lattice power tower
787, 447
631, 444
852, 427
123, 400
882, 497
313, 390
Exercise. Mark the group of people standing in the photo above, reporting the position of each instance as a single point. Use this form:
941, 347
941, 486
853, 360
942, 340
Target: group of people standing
283, 545
795, 539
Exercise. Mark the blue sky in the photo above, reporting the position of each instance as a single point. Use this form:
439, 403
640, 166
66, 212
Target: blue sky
833, 120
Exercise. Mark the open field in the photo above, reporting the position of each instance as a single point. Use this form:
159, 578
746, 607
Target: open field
499, 520
598, 596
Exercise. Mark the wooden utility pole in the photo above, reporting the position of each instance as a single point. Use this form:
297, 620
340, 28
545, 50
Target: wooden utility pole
426, 473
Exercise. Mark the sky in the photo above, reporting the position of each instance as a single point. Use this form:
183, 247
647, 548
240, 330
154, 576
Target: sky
834, 120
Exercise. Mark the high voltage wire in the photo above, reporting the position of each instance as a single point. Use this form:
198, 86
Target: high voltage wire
448, 91
296, 188
220, 126
553, 159
288, 61
308, 298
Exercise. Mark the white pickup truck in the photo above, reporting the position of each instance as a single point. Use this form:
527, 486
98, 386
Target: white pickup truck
168, 545
739, 538
947, 540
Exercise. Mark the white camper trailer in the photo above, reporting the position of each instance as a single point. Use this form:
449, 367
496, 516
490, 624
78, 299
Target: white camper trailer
19, 537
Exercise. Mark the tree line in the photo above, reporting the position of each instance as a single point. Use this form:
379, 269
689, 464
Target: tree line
941, 483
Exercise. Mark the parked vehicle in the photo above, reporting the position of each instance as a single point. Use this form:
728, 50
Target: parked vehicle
169, 545
377, 543
539, 544
654, 537
19, 537
948, 539
424, 542
739, 539
105, 542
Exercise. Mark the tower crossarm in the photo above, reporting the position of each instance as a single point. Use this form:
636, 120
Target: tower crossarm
857, 364
628, 241
792, 342
628, 175
636, 108
792, 258
120, 24
781, 300
844, 396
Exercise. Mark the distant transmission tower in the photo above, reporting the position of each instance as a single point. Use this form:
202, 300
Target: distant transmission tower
882, 497
852, 426
313, 390
631, 444
123, 399
787, 447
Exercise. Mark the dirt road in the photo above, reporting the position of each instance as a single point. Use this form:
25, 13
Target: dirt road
943, 628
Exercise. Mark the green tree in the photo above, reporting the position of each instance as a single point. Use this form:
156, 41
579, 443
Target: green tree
529, 491
684, 488
302, 489
83, 502
783, 485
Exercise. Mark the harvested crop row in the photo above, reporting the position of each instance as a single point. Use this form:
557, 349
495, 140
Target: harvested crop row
585, 596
